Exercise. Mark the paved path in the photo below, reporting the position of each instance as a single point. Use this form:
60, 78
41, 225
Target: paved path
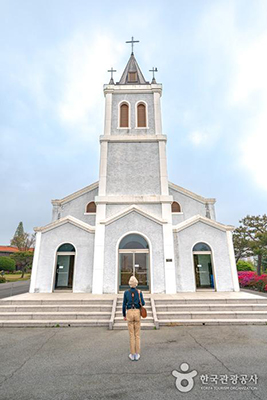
92, 363
14, 288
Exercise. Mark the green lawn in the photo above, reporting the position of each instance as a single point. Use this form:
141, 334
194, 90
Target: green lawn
16, 277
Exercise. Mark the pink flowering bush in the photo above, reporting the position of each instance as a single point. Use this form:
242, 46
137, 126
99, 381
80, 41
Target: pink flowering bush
251, 280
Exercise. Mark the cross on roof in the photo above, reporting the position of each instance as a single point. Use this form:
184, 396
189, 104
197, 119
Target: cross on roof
111, 70
132, 42
153, 70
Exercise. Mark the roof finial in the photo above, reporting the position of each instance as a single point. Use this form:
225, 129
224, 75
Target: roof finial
153, 70
132, 42
111, 82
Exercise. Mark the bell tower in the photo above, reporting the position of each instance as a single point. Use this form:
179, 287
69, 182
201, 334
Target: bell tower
133, 164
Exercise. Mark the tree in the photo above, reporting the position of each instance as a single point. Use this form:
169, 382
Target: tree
241, 243
23, 259
251, 237
244, 266
7, 264
22, 240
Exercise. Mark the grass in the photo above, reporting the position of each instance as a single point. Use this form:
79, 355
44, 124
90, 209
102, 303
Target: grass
16, 277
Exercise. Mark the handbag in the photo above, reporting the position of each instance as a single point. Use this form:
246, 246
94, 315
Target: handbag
143, 311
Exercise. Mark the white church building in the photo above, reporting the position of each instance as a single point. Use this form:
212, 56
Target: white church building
133, 220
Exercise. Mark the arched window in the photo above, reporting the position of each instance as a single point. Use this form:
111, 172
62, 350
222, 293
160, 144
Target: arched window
124, 115
133, 241
176, 207
91, 207
66, 247
201, 247
141, 115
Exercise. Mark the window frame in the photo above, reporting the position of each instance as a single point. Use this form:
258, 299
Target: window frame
119, 114
176, 212
89, 213
136, 114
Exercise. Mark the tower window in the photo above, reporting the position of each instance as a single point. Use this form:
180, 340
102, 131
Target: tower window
124, 115
91, 207
141, 115
132, 76
176, 207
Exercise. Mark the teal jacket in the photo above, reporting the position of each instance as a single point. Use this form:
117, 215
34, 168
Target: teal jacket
127, 300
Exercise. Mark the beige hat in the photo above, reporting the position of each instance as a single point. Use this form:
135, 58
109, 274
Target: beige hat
133, 282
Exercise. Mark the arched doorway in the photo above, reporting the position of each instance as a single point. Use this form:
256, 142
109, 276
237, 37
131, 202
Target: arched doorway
134, 260
65, 266
203, 266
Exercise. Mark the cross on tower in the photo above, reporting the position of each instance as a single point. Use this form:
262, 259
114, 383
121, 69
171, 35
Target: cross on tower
153, 70
132, 42
111, 82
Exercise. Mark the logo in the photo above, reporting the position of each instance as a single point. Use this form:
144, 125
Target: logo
185, 377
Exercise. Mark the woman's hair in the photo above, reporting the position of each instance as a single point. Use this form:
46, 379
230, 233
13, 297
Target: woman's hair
133, 282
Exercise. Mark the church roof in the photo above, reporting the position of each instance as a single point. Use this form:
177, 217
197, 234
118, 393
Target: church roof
132, 75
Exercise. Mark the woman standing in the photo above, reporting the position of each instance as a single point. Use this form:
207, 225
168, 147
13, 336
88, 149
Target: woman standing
131, 303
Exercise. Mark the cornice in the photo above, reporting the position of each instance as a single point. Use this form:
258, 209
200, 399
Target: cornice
68, 219
136, 209
199, 218
74, 195
133, 138
191, 194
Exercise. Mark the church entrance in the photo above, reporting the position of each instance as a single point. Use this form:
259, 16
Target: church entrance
134, 260
203, 266
65, 266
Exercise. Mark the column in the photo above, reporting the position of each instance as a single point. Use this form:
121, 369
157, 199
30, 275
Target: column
232, 261
35, 261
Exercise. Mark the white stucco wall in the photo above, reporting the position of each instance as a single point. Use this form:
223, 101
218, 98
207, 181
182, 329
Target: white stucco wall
82, 240
189, 206
217, 240
133, 222
133, 169
154, 209
76, 207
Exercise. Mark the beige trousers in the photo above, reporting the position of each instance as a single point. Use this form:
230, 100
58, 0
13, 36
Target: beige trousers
134, 321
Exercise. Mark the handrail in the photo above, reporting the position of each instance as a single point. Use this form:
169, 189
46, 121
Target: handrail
154, 313
112, 317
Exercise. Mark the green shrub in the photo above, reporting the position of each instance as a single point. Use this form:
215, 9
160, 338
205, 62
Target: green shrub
7, 264
244, 266
2, 279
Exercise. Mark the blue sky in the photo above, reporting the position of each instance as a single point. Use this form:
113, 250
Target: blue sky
212, 62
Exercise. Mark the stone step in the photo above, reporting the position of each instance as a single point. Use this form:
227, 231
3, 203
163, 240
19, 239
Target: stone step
56, 308
54, 316
148, 318
49, 323
211, 315
123, 326
119, 313
57, 302
172, 301
211, 307
229, 321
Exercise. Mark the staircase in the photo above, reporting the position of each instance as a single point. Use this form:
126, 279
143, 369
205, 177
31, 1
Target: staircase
173, 311
54, 313
146, 323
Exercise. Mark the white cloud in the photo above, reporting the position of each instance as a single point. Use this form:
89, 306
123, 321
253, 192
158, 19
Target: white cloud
84, 67
205, 137
249, 92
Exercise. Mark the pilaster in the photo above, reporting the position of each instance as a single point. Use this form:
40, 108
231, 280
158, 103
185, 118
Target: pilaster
35, 261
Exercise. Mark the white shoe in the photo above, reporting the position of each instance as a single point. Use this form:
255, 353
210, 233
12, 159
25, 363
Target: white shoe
131, 356
137, 356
